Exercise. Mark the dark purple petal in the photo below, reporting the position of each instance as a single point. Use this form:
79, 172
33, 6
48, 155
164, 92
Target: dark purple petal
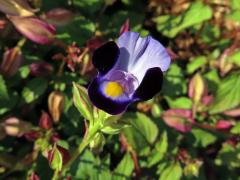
105, 57
150, 85
101, 101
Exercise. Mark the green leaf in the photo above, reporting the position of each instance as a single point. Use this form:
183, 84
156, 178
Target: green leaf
112, 124
179, 103
57, 159
34, 89
70, 33
3, 89
229, 156
236, 129
196, 63
124, 168
172, 172
159, 150
170, 26
228, 94
203, 138
8, 99
82, 102
89, 167
235, 4
174, 83
142, 132
235, 57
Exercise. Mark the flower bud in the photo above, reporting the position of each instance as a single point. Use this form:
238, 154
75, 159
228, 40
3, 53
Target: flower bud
45, 121
233, 112
15, 127
197, 88
57, 157
56, 105
11, 62
97, 143
179, 119
40, 69
58, 16
34, 29
16, 8
224, 125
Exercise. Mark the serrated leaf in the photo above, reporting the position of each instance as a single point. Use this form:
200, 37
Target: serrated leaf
172, 172
196, 63
228, 94
34, 89
160, 150
82, 101
170, 26
142, 132
124, 168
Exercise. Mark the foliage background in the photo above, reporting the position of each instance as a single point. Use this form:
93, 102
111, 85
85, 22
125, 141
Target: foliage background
188, 131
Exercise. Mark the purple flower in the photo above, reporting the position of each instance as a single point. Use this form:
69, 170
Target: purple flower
128, 71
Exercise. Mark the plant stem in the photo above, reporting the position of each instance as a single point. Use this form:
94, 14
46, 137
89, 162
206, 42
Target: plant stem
86, 140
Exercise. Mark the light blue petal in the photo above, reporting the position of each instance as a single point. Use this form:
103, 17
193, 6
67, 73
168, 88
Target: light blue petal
138, 54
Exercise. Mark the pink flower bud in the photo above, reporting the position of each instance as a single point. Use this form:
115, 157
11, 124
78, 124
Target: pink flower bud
15, 127
34, 29
40, 69
45, 121
125, 27
224, 125
16, 8
179, 119
197, 88
12, 60
58, 16
233, 112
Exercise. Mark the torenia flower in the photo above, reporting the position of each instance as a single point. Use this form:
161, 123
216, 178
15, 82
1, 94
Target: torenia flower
128, 71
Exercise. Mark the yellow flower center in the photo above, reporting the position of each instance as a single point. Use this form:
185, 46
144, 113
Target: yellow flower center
113, 89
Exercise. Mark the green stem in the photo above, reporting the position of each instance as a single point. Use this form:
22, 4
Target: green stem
55, 175
86, 140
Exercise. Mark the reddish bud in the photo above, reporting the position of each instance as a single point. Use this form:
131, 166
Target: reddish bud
224, 125
34, 176
179, 119
233, 112
32, 135
58, 16
16, 8
34, 29
12, 60
45, 121
125, 27
55, 137
41, 69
